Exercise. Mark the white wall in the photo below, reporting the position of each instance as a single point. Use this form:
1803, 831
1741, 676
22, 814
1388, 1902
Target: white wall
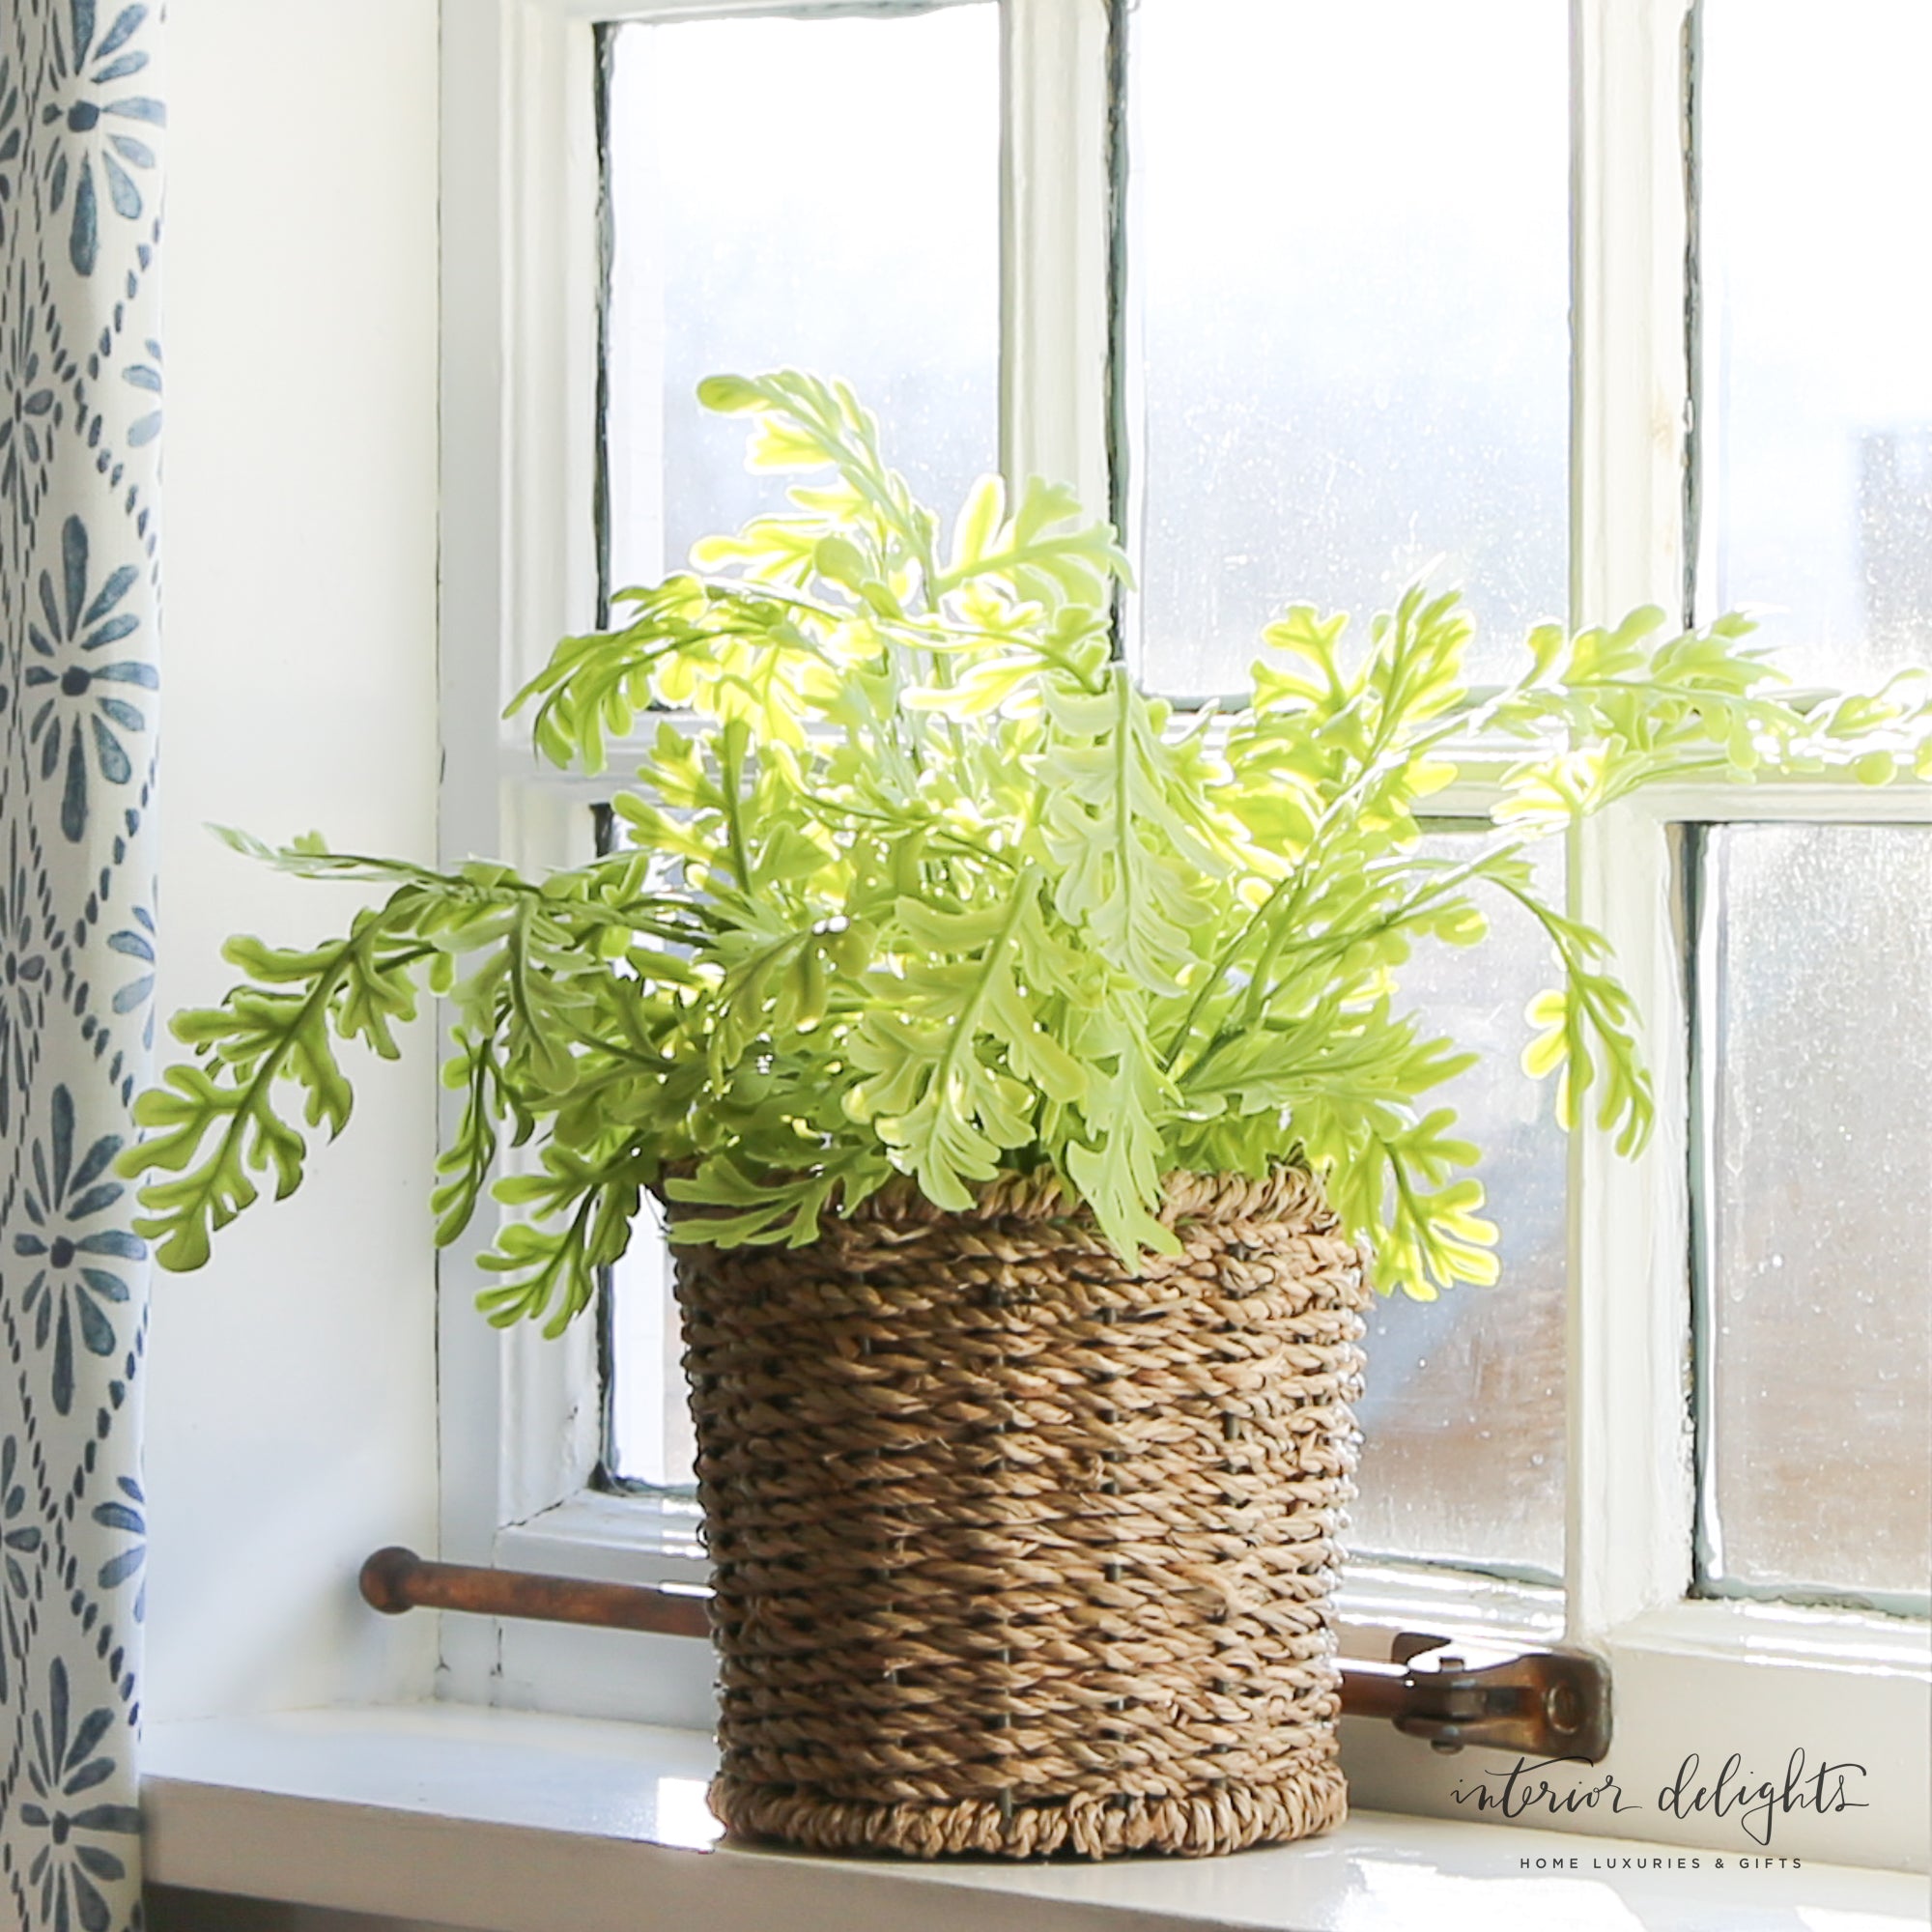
291, 1387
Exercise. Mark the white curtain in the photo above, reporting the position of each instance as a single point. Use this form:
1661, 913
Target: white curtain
81, 119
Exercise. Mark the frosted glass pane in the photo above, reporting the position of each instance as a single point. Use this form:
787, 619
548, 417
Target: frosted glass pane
1350, 255
648, 1434
1820, 1025
1462, 1421
748, 235
758, 224
1818, 386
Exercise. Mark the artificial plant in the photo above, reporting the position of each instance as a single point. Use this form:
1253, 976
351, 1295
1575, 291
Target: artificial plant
914, 879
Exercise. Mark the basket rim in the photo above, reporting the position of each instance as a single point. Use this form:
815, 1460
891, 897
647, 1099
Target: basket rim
1288, 1191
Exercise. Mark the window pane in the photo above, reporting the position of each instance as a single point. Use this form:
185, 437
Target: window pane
1817, 446
649, 1437
1817, 1022
751, 230
757, 225
1464, 1451
1349, 252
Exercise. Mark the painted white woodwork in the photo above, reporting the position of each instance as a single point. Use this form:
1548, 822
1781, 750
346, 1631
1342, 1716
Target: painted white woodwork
510, 1823
291, 1424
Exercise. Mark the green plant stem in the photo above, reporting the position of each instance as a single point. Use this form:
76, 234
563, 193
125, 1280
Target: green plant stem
731, 766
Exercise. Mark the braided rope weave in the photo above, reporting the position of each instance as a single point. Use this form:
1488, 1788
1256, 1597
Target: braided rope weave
1018, 1550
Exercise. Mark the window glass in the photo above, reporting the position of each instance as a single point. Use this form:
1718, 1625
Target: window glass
1349, 256
817, 194
648, 1434
1463, 1455
754, 227
1817, 1028
1817, 426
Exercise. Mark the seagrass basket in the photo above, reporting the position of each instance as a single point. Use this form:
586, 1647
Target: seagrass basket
1018, 1550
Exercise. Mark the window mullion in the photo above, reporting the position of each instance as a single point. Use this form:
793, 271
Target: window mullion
1630, 393
1054, 200
518, 427
1628, 1540
1630, 1479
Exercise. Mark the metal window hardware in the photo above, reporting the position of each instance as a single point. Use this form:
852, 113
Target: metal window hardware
394, 1580
1546, 1703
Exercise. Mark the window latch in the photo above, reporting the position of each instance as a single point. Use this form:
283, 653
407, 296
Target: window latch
1548, 1703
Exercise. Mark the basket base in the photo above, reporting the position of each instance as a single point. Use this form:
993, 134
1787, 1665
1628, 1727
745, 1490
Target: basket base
1315, 1798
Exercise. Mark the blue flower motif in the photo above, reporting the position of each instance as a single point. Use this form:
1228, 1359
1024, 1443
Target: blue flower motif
12, 141
60, 1768
95, 121
138, 946
30, 411
145, 376
24, 979
82, 692
72, 1286
19, 1547
129, 1516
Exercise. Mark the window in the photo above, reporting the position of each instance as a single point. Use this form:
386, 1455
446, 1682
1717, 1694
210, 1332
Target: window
1463, 1454
1816, 392
731, 256
1812, 494
1347, 262
1313, 294
1814, 969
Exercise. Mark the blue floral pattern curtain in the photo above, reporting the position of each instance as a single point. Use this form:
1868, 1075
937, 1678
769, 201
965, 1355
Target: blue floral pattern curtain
81, 119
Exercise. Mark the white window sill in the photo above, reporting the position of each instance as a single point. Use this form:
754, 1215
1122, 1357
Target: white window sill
502, 1821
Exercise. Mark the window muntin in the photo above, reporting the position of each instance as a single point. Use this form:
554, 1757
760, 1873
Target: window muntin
754, 226
1817, 384
1814, 970
1349, 261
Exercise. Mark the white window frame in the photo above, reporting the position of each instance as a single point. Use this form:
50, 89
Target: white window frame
521, 1418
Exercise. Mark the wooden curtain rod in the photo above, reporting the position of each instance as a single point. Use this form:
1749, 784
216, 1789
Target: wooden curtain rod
1548, 1703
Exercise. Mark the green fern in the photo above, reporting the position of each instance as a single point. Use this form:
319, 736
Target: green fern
930, 887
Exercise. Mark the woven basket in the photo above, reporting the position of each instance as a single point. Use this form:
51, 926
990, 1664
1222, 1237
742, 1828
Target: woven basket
1017, 1550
